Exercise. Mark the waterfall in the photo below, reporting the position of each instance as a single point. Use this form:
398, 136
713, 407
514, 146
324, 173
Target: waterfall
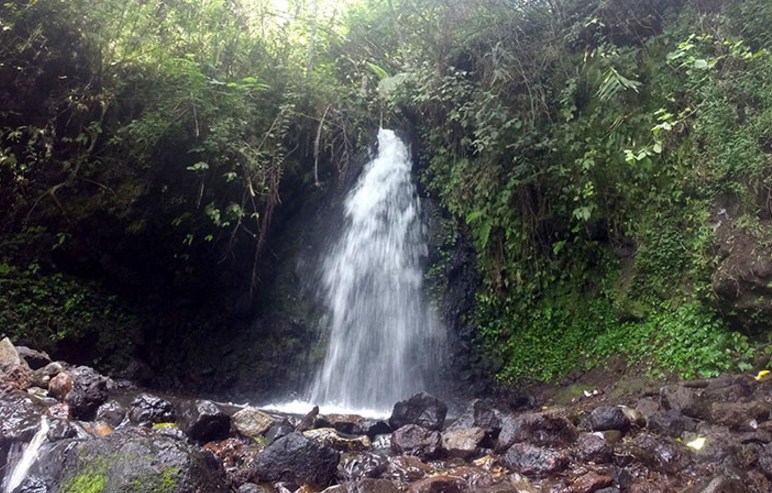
385, 342
18, 470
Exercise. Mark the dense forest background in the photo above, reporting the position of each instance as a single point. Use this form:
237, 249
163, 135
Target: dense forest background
607, 161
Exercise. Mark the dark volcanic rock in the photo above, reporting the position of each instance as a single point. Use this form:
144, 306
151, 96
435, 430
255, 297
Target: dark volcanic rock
593, 447
685, 400
89, 391
295, 458
416, 440
365, 486
406, 469
421, 409
605, 418
112, 413
354, 467
204, 421
147, 408
479, 414
437, 484
130, 461
35, 359
671, 423
534, 461
545, 428
463, 443
19, 420
278, 430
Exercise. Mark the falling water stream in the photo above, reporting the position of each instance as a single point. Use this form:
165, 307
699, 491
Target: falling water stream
383, 339
20, 460
385, 342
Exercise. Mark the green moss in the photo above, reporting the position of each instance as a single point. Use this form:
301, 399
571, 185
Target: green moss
88, 482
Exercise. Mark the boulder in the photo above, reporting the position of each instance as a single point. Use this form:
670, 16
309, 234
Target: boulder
349, 424
658, 452
203, 421
354, 467
671, 423
684, 399
111, 412
42, 376
148, 408
463, 443
542, 428
740, 416
607, 418
480, 413
278, 430
34, 359
593, 447
14, 372
533, 461
417, 441
421, 409
60, 385
133, 460
373, 427
252, 422
295, 458
331, 438
89, 391
9, 356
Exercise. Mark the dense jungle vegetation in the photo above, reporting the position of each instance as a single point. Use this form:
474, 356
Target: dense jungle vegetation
594, 152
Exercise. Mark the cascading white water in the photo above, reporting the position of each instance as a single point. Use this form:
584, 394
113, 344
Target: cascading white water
26, 457
384, 340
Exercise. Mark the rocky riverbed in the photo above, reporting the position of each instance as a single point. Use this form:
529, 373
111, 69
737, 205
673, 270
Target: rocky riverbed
94, 434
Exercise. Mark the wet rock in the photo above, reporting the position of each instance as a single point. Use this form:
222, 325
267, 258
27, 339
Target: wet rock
590, 482
42, 376
252, 422
421, 409
9, 356
607, 418
111, 412
296, 458
203, 421
89, 391
647, 407
474, 478
671, 423
480, 414
331, 438
545, 428
382, 442
19, 420
364, 486
373, 427
17, 377
463, 443
436, 484
60, 385
685, 400
658, 452
593, 447
534, 461
345, 423
34, 359
130, 461
406, 469
148, 408
740, 416
235, 458
308, 420
278, 430
416, 440
354, 467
